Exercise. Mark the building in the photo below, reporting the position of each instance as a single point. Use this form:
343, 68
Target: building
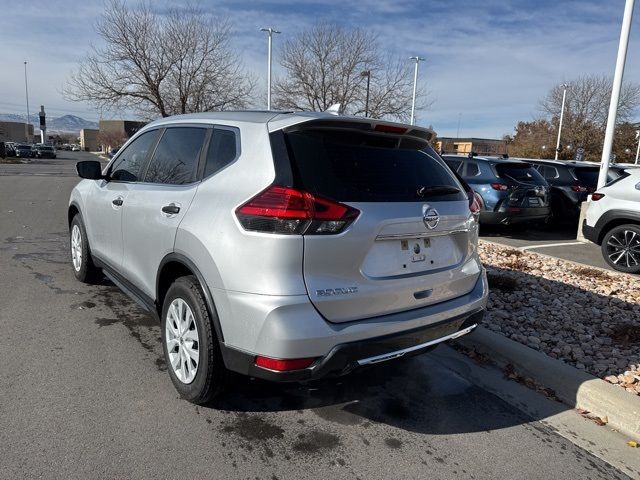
113, 133
464, 146
16, 132
89, 140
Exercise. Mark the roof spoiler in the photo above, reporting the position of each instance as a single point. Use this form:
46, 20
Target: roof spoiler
365, 125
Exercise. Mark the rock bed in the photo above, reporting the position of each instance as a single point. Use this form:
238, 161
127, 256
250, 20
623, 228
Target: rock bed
586, 317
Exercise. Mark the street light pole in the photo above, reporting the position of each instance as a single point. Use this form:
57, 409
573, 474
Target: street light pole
615, 93
366, 73
415, 86
270, 31
564, 96
26, 90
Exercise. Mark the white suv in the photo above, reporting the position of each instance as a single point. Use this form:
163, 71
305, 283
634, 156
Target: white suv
286, 246
613, 221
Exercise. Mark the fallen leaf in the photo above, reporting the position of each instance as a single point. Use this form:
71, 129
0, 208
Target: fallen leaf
632, 444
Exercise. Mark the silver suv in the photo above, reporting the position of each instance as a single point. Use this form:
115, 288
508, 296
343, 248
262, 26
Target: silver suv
280, 245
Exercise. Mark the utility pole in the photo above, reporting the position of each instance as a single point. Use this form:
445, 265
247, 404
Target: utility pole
415, 86
26, 90
615, 93
270, 31
564, 96
366, 73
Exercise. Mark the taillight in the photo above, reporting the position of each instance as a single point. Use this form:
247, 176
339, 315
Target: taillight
283, 365
597, 196
474, 203
287, 210
578, 188
500, 186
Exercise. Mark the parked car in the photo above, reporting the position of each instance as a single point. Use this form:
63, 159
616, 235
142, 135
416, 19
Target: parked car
285, 246
10, 149
613, 221
75, 148
45, 151
570, 184
24, 151
509, 191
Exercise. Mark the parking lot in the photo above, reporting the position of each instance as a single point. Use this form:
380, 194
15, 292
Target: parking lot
85, 392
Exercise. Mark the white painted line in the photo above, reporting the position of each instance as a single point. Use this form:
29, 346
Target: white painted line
546, 245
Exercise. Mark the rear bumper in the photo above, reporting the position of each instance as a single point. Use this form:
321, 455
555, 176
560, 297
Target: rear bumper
513, 215
345, 358
590, 233
339, 348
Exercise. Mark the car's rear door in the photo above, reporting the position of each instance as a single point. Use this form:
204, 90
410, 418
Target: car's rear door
155, 207
411, 241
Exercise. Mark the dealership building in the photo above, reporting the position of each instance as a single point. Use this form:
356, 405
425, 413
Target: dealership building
16, 132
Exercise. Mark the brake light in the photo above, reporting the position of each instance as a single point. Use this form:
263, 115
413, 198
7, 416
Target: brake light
283, 365
389, 129
500, 187
287, 210
578, 188
597, 196
474, 204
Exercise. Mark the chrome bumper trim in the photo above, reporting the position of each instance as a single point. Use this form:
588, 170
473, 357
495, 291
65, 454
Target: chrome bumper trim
400, 353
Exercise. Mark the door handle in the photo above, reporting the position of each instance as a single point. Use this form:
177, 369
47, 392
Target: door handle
171, 209
117, 202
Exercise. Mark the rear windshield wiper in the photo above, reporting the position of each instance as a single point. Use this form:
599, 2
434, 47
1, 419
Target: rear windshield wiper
433, 190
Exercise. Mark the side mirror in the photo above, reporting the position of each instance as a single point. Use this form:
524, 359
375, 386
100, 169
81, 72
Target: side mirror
90, 169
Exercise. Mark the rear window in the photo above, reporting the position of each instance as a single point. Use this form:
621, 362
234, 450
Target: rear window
360, 167
519, 172
587, 176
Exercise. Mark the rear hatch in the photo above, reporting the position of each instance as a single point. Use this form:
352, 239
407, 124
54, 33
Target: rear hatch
407, 246
527, 188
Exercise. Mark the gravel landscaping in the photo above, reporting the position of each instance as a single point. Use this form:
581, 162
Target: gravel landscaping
586, 317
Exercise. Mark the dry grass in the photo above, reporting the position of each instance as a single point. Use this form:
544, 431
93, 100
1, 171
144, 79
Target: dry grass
591, 273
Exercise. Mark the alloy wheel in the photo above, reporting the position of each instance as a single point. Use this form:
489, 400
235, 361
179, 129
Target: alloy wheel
76, 247
623, 248
182, 341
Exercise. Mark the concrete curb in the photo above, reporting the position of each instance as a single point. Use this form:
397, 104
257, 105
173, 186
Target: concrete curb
573, 387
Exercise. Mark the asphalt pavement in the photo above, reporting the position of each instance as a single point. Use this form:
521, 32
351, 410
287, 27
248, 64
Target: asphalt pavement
557, 240
84, 391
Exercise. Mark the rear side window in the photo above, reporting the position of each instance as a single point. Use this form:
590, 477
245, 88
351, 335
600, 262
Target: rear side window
453, 164
520, 172
472, 169
175, 161
223, 149
129, 164
587, 176
360, 167
549, 172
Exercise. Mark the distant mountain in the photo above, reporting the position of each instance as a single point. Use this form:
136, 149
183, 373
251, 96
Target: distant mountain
63, 124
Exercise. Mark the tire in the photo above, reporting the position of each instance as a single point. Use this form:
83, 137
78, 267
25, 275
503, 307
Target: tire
197, 381
84, 269
621, 248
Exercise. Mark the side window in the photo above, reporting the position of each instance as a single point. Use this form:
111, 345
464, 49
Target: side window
175, 161
453, 164
550, 172
472, 169
128, 166
222, 150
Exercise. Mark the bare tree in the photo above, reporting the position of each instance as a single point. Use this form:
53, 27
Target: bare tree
324, 66
588, 100
179, 62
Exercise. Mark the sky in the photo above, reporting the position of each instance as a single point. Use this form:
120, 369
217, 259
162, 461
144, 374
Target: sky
488, 63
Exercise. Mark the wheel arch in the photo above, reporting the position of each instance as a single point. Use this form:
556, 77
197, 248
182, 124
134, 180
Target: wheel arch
614, 218
72, 211
175, 265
